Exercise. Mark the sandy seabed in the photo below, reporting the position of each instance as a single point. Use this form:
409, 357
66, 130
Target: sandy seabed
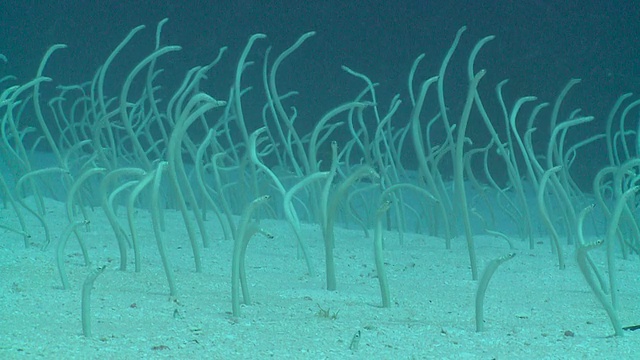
532, 309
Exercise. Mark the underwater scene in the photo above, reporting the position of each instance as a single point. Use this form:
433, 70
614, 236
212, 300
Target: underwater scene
319, 180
